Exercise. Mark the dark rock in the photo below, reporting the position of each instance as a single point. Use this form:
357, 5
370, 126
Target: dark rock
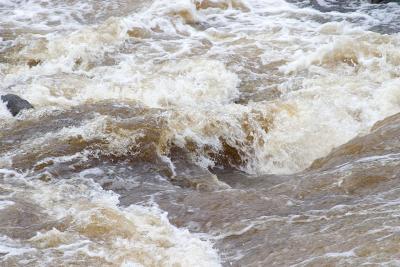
15, 103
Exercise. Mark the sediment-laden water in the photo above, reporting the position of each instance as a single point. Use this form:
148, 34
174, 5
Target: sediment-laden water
200, 133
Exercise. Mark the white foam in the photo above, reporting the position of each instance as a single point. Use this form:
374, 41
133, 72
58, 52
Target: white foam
96, 226
344, 254
11, 247
5, 114
182, 83
336, 78
5, 204
136, 234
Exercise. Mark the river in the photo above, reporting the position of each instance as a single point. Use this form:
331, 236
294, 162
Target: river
200, 133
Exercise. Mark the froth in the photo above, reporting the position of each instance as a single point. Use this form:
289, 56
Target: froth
334, 79
182, 83
4, 112
94, 228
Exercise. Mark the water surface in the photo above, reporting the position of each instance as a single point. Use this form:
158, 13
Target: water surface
200, 133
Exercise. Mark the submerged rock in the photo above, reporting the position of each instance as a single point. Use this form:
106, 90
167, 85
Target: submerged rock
15, 103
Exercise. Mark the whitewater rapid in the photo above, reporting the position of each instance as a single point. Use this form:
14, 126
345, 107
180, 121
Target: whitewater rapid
175, 92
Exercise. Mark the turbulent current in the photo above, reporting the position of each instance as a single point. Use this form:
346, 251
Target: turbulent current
200, 133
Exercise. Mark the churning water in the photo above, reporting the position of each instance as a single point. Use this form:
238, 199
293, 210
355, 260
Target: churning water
200, 133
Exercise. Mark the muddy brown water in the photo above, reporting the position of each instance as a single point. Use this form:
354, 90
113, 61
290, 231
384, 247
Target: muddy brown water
200, 133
